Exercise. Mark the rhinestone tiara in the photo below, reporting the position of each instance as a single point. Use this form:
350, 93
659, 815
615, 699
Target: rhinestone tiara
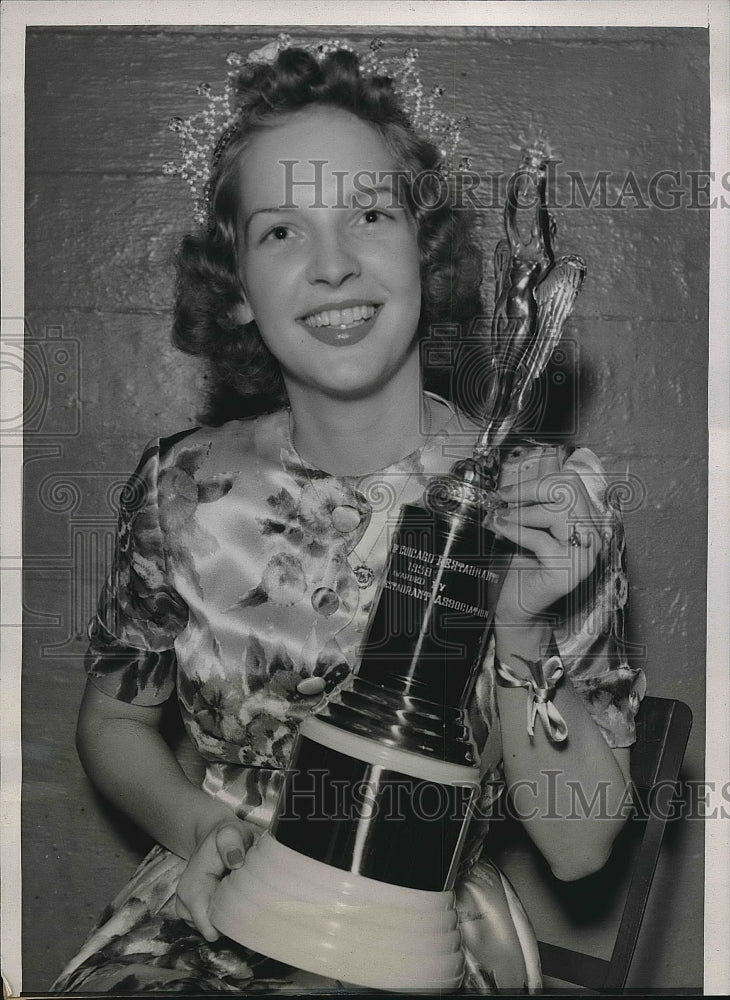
204, 135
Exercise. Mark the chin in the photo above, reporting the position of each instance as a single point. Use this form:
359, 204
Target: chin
352, 390
352, 381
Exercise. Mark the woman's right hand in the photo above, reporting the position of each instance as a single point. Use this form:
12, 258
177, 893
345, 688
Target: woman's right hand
219, 851
126, 757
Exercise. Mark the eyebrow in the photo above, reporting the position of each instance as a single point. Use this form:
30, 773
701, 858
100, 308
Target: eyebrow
384, 187
389, 187
264, 211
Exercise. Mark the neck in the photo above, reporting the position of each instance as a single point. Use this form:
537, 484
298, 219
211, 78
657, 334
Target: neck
354, 437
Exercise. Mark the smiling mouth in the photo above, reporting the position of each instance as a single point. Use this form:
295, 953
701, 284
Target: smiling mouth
341, 319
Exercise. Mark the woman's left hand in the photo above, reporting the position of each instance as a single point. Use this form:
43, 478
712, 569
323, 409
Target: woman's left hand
559, 532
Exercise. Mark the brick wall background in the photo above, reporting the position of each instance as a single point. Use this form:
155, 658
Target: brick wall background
102, 225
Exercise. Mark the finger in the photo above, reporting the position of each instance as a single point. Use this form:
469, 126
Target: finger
198, 909
564, 494
223, 849
563, 490
551, 553
195, 890
563, 523
183, 912
232, 842
564, 530
195, 911
582, 536
535, 540
535, 516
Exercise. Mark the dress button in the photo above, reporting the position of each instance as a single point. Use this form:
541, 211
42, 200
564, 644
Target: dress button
311, 686
345, 518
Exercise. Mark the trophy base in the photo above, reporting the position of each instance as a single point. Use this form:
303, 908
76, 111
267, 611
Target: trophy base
340, 924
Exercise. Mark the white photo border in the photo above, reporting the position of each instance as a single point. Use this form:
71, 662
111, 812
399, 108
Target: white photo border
714, 14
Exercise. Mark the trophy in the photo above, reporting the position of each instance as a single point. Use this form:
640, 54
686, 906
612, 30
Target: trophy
354, 877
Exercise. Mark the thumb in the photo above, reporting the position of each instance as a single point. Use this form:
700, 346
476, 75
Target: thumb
232, 842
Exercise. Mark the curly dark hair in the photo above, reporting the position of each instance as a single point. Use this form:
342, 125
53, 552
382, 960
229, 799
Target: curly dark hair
246, 378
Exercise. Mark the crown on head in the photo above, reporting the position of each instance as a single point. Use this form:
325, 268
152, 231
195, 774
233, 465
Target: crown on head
205, 134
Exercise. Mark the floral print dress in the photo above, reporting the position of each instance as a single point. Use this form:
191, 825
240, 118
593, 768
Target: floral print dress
235, 579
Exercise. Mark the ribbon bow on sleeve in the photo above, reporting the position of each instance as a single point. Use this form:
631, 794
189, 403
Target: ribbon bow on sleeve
540, 689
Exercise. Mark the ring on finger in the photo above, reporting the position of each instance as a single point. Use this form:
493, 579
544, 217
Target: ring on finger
576, 539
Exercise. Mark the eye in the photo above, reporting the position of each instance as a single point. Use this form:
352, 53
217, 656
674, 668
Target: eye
278, 233
374, 215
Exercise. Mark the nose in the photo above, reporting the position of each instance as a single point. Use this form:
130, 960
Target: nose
332, 260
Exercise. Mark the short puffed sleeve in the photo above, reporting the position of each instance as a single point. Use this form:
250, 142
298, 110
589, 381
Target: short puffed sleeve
590, 631
139, 615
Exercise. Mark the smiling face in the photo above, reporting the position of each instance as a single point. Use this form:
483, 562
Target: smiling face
328, 256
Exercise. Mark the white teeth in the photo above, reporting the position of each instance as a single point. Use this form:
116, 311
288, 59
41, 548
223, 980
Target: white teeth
341, 318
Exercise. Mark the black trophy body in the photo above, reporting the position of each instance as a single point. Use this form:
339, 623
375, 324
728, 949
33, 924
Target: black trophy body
374, 811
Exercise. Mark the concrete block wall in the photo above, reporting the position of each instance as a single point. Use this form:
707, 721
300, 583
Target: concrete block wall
102, 226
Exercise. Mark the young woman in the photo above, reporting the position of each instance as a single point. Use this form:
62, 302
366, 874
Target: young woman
249, 553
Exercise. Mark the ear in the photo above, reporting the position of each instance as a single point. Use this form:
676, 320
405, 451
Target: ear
241, 314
